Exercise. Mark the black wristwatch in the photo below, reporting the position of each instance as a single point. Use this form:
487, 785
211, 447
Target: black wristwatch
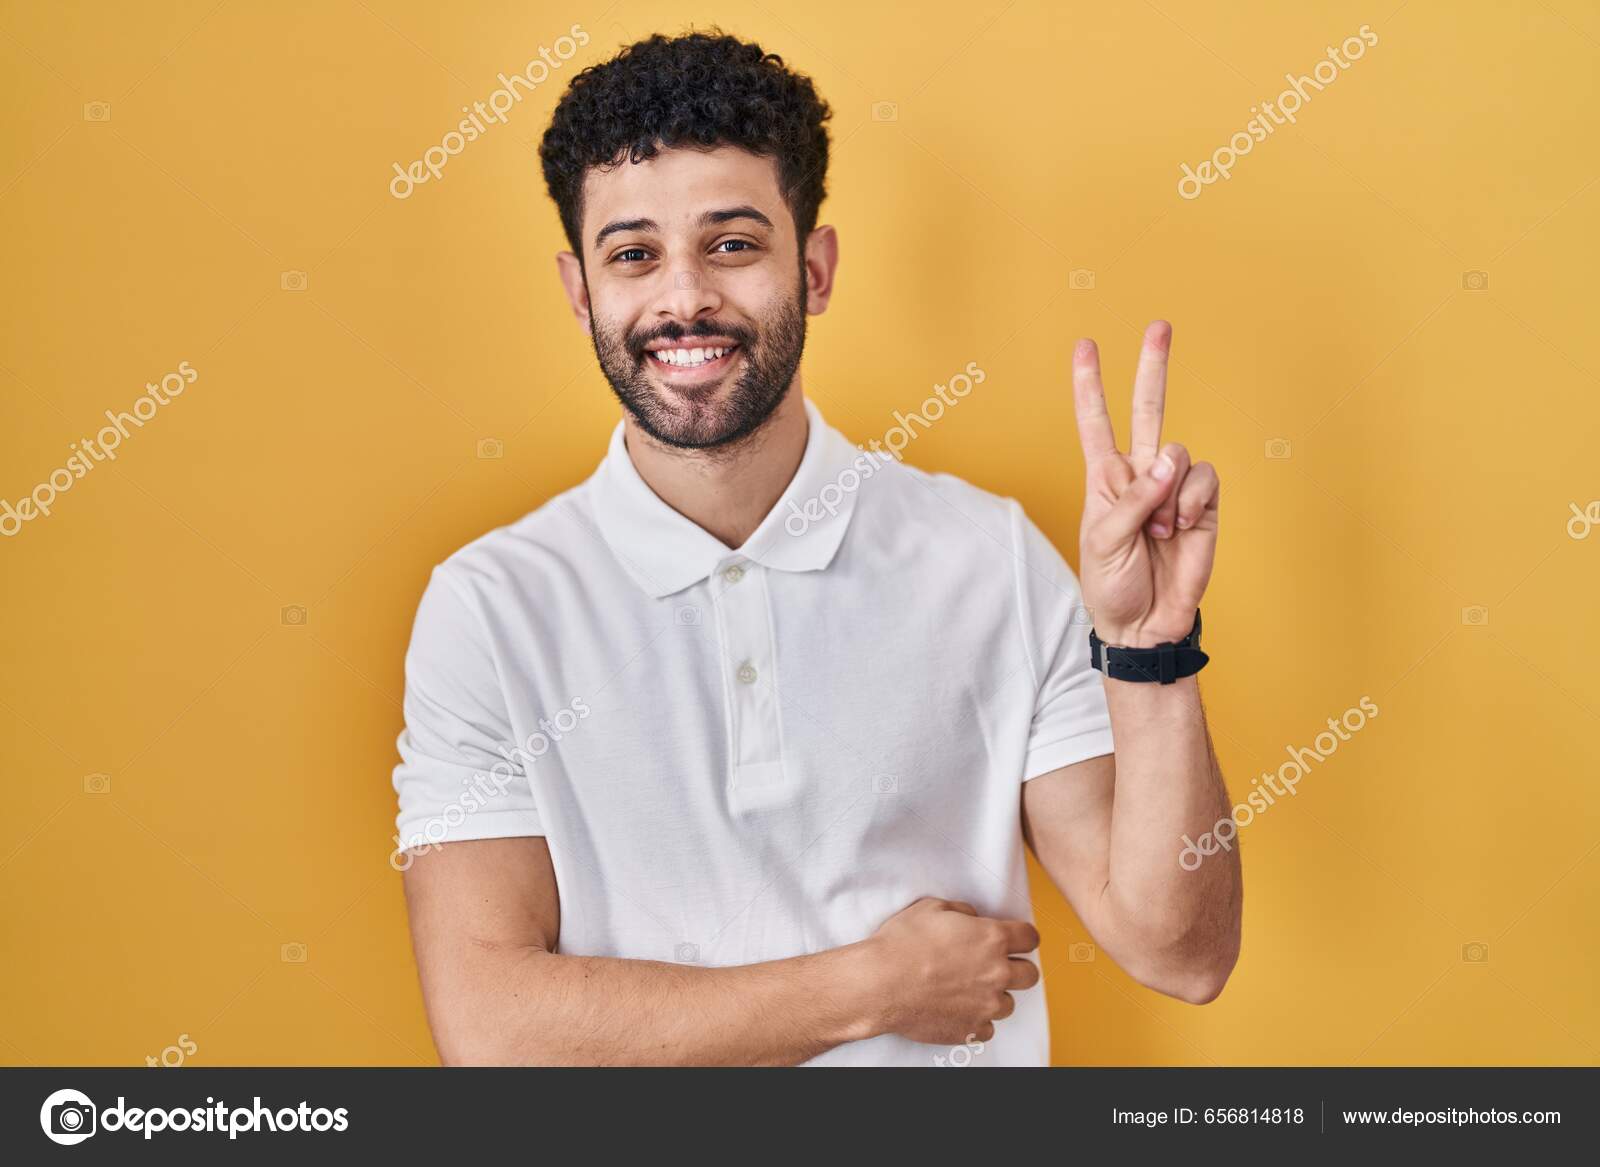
1164, 662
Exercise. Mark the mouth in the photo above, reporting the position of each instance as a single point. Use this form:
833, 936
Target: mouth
685, 364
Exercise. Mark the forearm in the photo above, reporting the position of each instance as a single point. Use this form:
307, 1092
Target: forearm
532, 1007
1148, 543
1181, 925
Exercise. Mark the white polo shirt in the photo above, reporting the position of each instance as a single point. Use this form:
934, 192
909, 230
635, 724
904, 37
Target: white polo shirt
742, 756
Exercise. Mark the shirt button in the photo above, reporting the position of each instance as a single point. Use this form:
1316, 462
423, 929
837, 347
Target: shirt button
733, 574
746, 674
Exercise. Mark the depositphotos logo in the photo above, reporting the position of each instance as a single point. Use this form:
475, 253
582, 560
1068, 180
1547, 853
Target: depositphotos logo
67, 1117
70, 1116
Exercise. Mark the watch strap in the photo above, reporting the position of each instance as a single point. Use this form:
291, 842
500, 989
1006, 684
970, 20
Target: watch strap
1163, 663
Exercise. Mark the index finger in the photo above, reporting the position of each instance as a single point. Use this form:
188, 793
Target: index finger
1150, 394
1089, 403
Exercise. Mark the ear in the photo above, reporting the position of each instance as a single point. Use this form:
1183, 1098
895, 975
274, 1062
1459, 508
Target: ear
571, 272
822, 260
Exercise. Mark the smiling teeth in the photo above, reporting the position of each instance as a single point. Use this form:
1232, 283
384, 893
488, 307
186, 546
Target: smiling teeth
688, 358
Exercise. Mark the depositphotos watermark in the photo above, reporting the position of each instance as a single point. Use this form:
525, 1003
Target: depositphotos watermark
87, 454
960, 1056
827, 500
482, 787
481, 115
69, 1117
1289, 103
174, 1056
1221, 836
1584, 521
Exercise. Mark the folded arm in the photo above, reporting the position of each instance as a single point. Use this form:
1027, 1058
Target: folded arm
485, 918
484, 921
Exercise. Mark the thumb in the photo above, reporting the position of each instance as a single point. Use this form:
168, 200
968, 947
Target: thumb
1139, 501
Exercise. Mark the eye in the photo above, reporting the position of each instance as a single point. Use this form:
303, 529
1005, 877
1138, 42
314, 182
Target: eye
740, 244
639, 253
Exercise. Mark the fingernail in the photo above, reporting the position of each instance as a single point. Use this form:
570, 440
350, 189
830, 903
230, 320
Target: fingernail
1163, 468
1160, 530
1183, 521
1084, 349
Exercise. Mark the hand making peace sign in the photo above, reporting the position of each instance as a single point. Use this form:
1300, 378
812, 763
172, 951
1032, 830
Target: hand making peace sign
1149, 534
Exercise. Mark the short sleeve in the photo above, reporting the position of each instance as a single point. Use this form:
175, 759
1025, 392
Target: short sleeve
460, 776
1071, 720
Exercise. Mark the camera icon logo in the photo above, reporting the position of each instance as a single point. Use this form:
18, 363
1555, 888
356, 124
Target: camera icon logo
686, 953
885, 111
885, 784
1475, 281
1081, 279
97, 111
491, 448
686, 614
1081, 953
67, 1117
1277, 448
686, 279
292, 953
97, 783
292, 281
1475, 616
294, 616
1475, 953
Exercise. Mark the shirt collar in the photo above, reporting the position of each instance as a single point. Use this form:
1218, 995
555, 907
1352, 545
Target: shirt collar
665, 552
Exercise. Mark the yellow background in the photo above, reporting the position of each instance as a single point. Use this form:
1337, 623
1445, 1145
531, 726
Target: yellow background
327, 457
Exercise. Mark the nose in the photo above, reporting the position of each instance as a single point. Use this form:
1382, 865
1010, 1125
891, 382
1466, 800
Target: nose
687, 294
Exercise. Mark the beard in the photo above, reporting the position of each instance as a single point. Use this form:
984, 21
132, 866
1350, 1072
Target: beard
703, 420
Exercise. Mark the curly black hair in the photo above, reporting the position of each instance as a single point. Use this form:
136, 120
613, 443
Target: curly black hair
698, 90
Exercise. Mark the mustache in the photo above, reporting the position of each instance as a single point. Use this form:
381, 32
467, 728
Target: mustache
744, 337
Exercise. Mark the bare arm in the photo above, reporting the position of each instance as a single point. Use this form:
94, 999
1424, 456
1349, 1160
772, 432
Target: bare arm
485, 920
1109, 831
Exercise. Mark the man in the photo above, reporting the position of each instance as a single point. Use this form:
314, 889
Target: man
729, 754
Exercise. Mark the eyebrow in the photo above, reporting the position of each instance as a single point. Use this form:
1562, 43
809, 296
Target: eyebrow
707, 219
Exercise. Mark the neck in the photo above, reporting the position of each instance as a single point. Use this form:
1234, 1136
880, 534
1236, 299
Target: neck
729, 490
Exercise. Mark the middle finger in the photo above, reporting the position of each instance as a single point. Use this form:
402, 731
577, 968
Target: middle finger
1150, 395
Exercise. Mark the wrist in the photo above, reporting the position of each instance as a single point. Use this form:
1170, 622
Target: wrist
1135, 637
865, 990
1125, 638
1141, 635
1156, 655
